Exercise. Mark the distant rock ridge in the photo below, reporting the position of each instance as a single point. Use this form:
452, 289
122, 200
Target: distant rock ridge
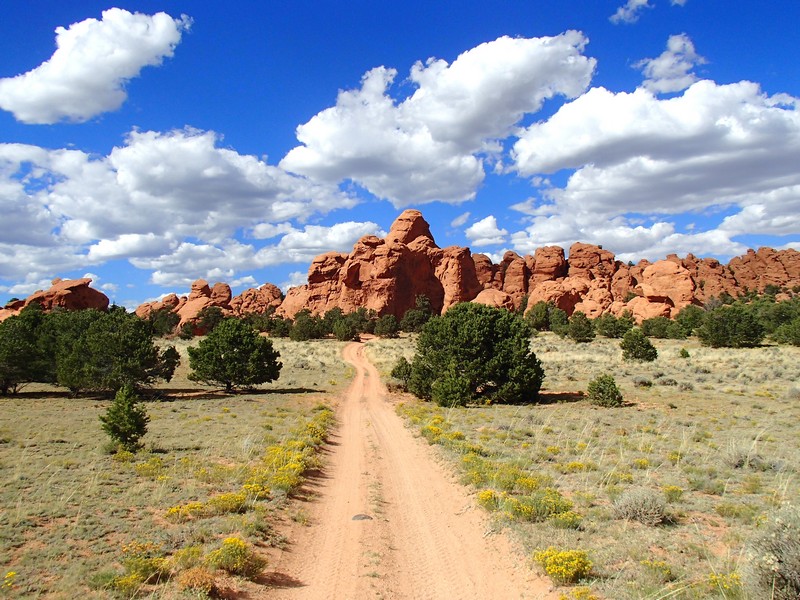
69, 294
386, 275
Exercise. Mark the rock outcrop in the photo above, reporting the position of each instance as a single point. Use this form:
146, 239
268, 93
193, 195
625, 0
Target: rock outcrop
201, 296
69, 294
386, 275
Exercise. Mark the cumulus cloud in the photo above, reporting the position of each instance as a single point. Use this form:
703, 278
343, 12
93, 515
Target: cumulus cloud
432, 145
295, 279
629, 12
672, 70
222, 261
65, 208
86, 75
713, 147
486, 232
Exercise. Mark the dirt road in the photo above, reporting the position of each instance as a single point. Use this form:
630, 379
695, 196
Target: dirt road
389, 521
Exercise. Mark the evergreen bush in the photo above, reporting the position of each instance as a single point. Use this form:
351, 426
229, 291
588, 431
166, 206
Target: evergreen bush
603, 391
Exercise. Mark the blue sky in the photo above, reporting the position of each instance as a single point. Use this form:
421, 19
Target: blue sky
148, 144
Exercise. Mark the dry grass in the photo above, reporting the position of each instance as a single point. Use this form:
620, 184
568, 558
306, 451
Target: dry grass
714, 434
67, 507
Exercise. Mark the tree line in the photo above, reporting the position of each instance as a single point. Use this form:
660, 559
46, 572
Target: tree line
724, 322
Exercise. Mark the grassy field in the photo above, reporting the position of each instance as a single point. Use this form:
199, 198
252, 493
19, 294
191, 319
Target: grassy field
708, 443
704, 450
71, 513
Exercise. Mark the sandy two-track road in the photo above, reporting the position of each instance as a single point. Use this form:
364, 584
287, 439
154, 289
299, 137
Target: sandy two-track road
424, 540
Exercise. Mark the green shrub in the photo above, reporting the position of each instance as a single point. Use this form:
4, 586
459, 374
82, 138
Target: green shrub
603, 391
306, 327
636, 346
345, 330
690, 318
788, 333
163, 321
114, 349
612, 327
234, 354
662, 328
386, 326
126, 420
402, 371
415, 318
772, 569
731, 327
580, 329
476, 353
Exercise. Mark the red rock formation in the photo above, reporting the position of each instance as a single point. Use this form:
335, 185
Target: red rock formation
386, 275
495, 298
667, 282
257, 301
70, 294
757, 270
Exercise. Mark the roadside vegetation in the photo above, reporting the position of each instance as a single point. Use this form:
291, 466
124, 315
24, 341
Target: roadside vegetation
195, 510
668, 487
650, 461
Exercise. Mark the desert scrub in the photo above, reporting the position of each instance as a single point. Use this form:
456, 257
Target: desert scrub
729, 585
641, 504
145, 560
564, 566
235, 556
683, 433
198, 580
672, 493
603, 391
658, 570
566, 520
772, 568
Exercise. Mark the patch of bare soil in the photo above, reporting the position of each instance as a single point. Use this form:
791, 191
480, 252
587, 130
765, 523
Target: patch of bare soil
385, 520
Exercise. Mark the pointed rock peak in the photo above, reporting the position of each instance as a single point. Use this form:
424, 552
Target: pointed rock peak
407, 227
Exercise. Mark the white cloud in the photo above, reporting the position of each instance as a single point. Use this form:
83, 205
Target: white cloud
222, 261
714, 146
86, 75
64, 209
629, 12
460, 220
266, 231
316, 239
672, 70
486, 232
295, 279
430, 146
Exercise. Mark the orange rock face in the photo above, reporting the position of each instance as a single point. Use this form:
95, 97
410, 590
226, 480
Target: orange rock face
386, 275
69, 294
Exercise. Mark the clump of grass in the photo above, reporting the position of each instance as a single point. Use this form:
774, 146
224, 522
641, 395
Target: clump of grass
641, 504
658, 570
